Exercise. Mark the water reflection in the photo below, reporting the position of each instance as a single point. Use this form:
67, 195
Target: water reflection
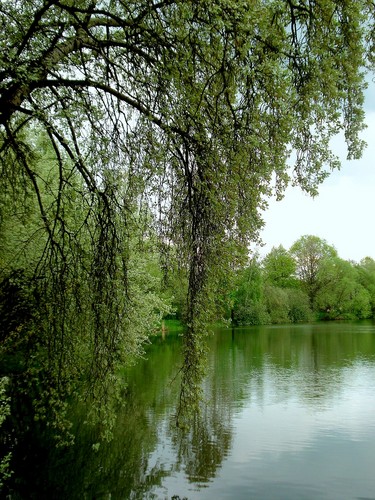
295, 398
289, 414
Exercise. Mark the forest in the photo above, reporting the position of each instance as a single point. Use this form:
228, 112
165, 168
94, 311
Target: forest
139, 143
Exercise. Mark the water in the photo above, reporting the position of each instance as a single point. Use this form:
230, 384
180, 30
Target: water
290, 414
295, 417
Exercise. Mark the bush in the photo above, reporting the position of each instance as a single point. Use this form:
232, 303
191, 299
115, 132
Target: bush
252, 313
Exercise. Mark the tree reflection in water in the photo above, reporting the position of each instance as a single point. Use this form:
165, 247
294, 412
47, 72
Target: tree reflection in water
200, 452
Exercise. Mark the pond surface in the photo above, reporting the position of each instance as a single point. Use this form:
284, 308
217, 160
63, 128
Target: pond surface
290, 414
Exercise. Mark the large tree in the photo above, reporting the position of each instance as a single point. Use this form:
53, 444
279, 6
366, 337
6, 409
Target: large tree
186, 110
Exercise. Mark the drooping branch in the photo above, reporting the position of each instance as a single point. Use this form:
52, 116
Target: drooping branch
12, 98
135, 104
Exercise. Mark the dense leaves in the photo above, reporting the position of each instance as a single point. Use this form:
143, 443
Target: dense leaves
283, 283
310, 253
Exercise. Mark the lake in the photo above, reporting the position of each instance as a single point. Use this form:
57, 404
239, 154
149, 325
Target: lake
289, 414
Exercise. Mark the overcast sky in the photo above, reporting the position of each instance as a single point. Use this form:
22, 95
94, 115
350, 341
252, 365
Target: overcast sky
343, 214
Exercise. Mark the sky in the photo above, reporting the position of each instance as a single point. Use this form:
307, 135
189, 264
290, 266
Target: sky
344, 211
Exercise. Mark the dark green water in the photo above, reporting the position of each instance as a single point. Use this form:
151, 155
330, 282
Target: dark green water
290, 414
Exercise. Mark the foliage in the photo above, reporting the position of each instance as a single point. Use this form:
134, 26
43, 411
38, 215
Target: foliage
310, 254
5, 471
279, 268
366, 277
280, 287
343, 297
185, 111
72, 312
249, 307
299, 306
287, 305
277, 304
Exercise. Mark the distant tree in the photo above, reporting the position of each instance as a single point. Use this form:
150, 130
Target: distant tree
310, 253
366, 277
277, 303
249, 307
279, 268
299, 306
342, 296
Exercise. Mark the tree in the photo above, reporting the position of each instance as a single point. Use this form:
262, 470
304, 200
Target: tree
299, 306
249, 306
279, 268
277, 303
310, 253
190, 108
342, 297
366, 277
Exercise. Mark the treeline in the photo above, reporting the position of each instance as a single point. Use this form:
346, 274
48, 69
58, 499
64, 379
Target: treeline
305, 283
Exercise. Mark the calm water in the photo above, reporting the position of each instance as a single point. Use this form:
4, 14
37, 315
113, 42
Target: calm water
290, 415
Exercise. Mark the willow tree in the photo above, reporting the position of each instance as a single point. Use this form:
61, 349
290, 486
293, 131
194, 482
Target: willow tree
187, 110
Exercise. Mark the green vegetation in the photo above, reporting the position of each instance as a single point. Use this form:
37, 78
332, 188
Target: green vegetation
305, 283
139, 141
